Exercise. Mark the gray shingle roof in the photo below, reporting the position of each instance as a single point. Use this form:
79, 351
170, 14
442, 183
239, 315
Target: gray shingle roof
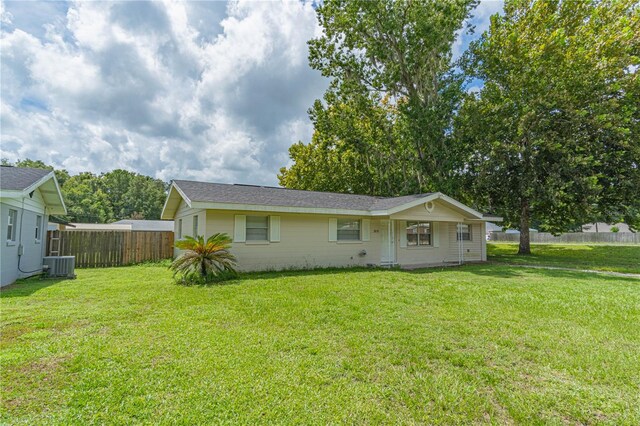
20, 178
271, 196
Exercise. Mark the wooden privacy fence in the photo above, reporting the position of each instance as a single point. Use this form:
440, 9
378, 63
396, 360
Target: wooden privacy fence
97, 249
572, 237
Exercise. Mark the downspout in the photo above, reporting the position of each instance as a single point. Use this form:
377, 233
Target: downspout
460, 243
389, 242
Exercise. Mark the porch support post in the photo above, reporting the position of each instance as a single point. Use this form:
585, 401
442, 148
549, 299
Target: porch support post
460, 243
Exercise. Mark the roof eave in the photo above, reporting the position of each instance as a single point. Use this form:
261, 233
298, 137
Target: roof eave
167, 214
52, 208
277, 209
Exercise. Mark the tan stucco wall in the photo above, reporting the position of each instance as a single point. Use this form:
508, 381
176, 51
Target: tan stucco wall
423, 255
304, 243
472, 250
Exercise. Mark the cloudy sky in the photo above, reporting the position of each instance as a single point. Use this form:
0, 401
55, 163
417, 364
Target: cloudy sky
201, 90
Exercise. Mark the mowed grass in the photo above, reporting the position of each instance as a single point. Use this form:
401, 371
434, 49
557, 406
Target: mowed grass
475, 344
615, 258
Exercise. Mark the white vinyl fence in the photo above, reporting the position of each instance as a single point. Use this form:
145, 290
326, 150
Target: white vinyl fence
572, 237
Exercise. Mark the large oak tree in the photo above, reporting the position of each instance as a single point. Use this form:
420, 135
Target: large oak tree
553, 135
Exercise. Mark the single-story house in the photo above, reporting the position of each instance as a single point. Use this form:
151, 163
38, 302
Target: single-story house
78, 226
492, 227
278, 228
147, 225
27, 198
605, 227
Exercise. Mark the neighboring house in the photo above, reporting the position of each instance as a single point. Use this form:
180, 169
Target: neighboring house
604, 227
96, 227
492, 227
277, 228
27, 198
517, 231
124, 225
56, 224
147, 225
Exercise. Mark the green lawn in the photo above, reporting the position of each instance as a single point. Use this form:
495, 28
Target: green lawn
620, 258
476, 344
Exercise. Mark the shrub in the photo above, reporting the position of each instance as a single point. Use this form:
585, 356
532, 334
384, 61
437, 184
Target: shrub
204, 261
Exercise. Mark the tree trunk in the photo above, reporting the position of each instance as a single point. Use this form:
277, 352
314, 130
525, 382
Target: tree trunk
525, 243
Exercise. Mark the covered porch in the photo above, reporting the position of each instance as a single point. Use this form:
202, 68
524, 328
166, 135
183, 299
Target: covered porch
437, 232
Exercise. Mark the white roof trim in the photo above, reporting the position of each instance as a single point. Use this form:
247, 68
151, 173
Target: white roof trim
57, 185
166, 201
182, 194
279, 209
11, 193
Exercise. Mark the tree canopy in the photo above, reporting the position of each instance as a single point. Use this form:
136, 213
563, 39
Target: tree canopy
104, 198
384, 123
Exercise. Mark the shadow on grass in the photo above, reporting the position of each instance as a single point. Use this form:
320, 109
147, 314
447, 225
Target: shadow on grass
28, 286
620, 258
513, 271
269, 275
488, 269
498, 271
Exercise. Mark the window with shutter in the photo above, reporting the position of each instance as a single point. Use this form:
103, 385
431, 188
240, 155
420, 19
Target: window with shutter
418, 234
464, 232
257, 228
348, 230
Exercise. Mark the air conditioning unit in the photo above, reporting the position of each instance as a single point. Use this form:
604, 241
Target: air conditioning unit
60, 266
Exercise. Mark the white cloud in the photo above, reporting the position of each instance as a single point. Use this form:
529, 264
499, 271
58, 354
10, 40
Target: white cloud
480, 21
198, 90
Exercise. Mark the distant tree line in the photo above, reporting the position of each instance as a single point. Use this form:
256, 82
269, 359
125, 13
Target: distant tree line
107, 197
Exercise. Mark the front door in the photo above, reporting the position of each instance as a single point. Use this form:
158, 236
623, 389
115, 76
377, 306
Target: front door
387, 241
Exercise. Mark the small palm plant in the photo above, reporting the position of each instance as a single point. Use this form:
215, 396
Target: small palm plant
204, 261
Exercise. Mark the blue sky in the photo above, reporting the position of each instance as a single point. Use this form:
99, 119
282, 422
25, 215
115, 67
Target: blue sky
188, 90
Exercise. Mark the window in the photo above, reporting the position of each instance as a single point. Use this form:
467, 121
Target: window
348, 230
195, 226
11, 225
418, 234
464, 231
179, 228
38, 228
257, 228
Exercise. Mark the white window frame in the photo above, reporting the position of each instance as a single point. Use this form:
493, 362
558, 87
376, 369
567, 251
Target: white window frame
266, 229
195, 226
38, 228
348, 220
466, 236
418, 223
12, 223
179, 229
